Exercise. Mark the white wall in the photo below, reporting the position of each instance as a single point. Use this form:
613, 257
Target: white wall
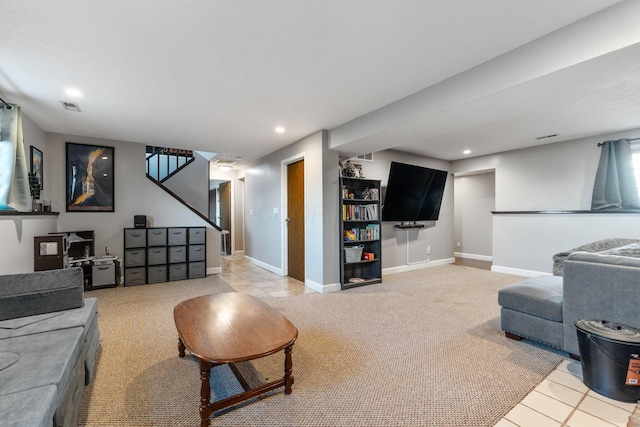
550, 177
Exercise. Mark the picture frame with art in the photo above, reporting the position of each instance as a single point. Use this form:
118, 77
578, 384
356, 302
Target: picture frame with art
37, 168
89, 178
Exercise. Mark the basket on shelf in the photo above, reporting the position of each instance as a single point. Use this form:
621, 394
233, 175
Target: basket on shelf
353, 253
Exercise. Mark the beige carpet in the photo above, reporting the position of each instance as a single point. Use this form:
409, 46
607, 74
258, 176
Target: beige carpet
420, 349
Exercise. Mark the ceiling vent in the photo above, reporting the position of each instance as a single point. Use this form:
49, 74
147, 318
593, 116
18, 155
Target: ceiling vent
70, 106
546, 136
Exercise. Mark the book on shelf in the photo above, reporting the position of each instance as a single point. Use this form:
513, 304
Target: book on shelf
360, 212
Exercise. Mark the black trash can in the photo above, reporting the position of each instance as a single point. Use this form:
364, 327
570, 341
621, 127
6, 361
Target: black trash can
610, 357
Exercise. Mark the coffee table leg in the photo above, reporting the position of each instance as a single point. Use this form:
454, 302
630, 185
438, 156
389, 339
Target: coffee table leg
288, 378
205, 393
181, 348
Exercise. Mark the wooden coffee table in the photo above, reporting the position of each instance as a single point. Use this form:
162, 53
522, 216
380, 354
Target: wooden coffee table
229, 328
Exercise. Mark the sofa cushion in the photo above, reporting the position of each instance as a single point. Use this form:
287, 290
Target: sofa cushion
597, 246
630, 250
28, 294
539, 296
78, 317
46, 358
29, 408
602, 258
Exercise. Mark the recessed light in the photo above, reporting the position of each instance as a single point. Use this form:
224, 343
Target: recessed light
466, 152
280, 129
74, 93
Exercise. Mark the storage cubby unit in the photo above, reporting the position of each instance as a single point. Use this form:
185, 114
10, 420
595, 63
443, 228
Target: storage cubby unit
161, 254
360, 244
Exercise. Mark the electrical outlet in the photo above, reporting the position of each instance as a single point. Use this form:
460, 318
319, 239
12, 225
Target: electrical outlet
458, 244
428, 250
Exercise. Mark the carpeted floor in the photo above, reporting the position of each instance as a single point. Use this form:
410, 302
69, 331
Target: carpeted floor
422, 348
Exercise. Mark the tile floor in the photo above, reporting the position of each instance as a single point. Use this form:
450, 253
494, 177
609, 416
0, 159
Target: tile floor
561, 400
248, 278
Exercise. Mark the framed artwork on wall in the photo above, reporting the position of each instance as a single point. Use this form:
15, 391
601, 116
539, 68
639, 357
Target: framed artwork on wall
89, 170
36, 165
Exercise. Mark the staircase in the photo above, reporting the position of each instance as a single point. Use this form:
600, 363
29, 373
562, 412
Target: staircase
163, 163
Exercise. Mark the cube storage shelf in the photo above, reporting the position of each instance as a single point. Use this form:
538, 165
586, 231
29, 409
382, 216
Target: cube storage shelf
360, 228
161, 254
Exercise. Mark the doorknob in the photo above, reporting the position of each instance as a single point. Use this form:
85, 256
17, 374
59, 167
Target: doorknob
288, 219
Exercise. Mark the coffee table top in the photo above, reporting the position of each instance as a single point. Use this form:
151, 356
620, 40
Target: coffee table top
231, 327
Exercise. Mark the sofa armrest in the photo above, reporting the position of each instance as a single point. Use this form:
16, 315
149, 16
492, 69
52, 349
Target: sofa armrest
599, 287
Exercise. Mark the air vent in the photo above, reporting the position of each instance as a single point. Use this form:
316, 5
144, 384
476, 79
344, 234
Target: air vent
70, 106
366, 157
546, 136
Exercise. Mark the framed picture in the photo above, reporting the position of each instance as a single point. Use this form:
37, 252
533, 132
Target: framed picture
89, 178
36, 165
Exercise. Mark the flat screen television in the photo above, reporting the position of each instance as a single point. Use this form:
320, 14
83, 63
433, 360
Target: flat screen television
414, 193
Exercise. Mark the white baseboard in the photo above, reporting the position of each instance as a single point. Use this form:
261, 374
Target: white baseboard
417, 266
473, 256
240, 252
518, 272
214, 270
268, 267
323, 289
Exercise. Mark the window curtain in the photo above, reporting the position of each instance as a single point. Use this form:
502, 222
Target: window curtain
15, 193
615, 186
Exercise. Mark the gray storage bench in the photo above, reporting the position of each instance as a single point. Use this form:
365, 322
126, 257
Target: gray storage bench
49, 341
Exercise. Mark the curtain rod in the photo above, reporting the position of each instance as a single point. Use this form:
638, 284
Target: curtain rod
600, 144
6, 104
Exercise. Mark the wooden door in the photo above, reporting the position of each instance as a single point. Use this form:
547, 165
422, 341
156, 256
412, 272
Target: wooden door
295, 219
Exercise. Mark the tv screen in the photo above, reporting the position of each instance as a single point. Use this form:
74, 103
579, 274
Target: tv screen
414, 193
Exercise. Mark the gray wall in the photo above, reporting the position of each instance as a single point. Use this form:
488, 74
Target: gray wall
550, 177
191, 184
474, 200
407, 249
134, 195
265, 206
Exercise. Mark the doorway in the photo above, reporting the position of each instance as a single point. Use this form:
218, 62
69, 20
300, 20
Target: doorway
295, 220
220, 210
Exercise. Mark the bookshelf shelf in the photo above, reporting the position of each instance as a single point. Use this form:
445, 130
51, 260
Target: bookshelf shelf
360, 226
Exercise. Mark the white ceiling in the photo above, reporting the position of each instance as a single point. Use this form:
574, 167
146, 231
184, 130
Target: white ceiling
427, 76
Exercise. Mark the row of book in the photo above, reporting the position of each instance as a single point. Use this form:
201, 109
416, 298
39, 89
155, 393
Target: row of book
370, 232
360, 212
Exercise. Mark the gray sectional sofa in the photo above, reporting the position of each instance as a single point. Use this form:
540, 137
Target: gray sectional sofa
49, 341
596, 281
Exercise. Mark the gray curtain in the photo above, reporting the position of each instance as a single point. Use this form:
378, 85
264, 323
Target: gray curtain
615, 186
15, 193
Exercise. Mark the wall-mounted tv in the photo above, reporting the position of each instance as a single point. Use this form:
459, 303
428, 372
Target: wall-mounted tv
414, 193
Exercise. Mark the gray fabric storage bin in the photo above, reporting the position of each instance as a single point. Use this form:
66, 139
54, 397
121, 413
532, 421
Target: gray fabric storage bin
156, 236
135, 257
197, 253
157, 274
134, 276
177, 236
157, 255
28, 294
197, 235
177, 272
177, 254
135, 237
197, 270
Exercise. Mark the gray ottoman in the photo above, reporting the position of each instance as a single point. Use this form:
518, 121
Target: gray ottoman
532, 309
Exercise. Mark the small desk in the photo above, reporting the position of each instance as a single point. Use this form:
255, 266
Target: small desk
228, 328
